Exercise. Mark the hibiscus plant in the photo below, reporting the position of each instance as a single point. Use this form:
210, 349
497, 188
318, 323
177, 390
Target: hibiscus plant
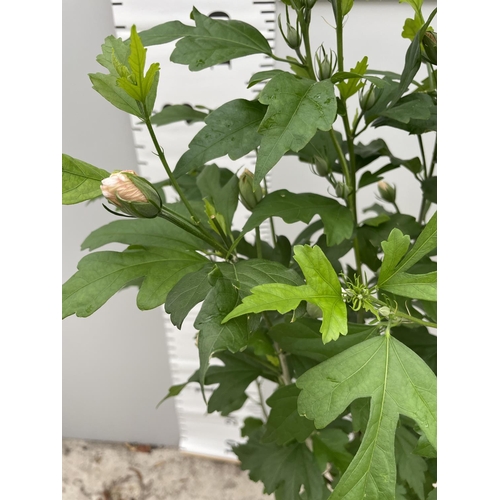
350, 350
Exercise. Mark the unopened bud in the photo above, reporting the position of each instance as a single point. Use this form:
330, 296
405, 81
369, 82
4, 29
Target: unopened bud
387, 192
321, 166
367, 99
430, 46
132, 194
293, 38
309, 4
342, 190
324, 64
215, 219
297, 4
384, 311
249, 198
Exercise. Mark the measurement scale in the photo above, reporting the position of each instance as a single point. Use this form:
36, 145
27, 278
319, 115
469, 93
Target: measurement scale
200, 433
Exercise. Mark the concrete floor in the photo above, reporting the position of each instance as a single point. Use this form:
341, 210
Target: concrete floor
120, 471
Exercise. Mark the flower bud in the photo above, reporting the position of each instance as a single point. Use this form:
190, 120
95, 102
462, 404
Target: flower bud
132, 194
297, 4
384, 311
387, 192
309, 4
430, 46
324, 64
293, 38
321, 166
367, 99
342, 190
248, 197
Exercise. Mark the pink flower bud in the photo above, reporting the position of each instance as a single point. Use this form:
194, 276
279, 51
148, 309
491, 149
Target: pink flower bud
119, 185
132, 194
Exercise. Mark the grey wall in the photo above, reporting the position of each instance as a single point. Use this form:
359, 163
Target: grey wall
115, 363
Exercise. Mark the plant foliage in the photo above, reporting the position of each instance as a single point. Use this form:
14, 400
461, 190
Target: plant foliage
349, 346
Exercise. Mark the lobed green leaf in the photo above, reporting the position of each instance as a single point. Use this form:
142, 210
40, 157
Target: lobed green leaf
101, 274
397, 381
230, 130
322, 288
302, 207
80, 180
298, 107
215, 41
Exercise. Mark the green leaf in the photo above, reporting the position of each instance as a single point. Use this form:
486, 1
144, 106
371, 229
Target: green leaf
178, 113
165, 33
285, 424
329, 445
322, 288
349, 88
415, 286
106, 86
114, 50
244, 275
250, 425
137, 85
223, 196
216, 41
420, 341
247, 274
411, 468
298, 107
230, 129
413, 60
415, 106
175, 390
213, 335
302, 337
190, 290
303, 207
429, 188
432, 495
397, 381
392, 276
396, 246
263, 75
321, 146
415, 113
233, 379
146, 232
410, 28
283, 468
101, 274
80, 181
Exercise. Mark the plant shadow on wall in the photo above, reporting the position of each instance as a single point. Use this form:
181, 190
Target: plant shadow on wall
353, 413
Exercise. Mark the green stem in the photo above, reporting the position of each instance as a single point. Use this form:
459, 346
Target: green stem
285, 377
422, 152
176, 186
170, 174
374, 300
304, 24
188, 227
261, 399
271, 221
351, 177
296, 63
258, 242
340, 34
340, 154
